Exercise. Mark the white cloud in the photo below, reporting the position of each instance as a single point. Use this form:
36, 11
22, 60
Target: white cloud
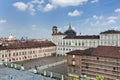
97, 17
39, 5
117, 10
65, 3
48, 7
94, 1
20, 6
112, 19
31, 9
75, 13
2, 21
37, 1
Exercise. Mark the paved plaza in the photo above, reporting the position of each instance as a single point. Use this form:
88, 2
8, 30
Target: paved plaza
41, 61
12, 74
62, 69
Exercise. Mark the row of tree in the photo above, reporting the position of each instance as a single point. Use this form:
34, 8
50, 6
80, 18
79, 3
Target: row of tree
97, 78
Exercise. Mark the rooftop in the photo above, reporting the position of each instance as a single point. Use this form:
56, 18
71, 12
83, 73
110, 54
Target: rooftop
110, 32
25, 44
101, 51
83, 37
12, 74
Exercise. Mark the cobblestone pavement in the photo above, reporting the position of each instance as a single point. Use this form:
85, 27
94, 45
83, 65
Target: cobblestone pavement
12, 74
41, 61
62, 69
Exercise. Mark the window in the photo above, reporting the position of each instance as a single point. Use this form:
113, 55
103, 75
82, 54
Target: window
17, 54
79, 44
13, 54
69, 43
73, 62
20, 53
97, 58
33, 51
105, 68
82, 43
97, 67
66, 43
66, 49
73, 70
73, 56
76, 44
9, 54
87, 66
3, 56
114, 69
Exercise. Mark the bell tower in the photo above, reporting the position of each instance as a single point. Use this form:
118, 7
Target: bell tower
54, 30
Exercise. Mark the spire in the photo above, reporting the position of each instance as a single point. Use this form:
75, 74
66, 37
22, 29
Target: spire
70, 28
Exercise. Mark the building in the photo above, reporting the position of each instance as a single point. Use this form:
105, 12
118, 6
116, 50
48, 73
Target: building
103, 61
69, 41
17, 50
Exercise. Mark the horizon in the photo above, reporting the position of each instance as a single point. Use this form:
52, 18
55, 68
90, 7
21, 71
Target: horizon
35, 18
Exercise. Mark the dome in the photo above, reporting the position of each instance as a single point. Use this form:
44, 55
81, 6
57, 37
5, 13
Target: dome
70, 31
11, 37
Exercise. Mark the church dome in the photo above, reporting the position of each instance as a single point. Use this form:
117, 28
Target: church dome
11, 37
70, 31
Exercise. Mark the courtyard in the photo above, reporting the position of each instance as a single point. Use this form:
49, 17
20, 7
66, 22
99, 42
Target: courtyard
29, 64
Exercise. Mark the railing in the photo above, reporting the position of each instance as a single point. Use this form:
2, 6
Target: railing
12, 65
50, 74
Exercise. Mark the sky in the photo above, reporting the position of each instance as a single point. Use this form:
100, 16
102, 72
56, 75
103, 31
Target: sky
35, 18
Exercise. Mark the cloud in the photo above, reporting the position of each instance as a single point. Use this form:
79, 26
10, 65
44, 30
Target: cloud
31, 9
75, 13
117, 10
2, 21
94, 1
112, 19
39, 5
65, 3
97, 17
20, 6
48, 7
30, 6
37, 1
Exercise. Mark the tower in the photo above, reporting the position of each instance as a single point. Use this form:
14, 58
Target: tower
70, 31
54, 30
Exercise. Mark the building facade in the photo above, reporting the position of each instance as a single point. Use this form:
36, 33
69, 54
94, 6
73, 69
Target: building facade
101, 61
68, 41
14, 51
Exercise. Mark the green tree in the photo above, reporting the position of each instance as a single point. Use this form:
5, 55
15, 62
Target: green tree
87, 78
99, 78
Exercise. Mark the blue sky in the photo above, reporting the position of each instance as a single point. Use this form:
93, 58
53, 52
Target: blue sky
35, 18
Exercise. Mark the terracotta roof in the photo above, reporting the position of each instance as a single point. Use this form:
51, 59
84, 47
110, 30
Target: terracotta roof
100, 51
76, 52
26, 44
81, 52
83, 37
110, 32
107, 51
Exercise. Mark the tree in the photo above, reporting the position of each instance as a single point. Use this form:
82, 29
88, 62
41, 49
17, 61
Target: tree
99, 78
87, 78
